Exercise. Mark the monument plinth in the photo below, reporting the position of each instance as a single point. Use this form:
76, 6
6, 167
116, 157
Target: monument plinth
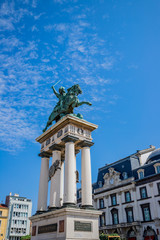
62, 219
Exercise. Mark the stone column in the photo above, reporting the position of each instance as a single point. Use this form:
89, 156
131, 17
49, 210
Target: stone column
43, 182
62, 182
70, 170
76, 175
86, 174
55, 180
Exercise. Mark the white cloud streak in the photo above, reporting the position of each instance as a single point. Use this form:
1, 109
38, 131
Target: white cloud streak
29, 67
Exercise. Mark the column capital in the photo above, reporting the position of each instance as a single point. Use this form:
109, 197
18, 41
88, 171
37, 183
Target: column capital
44, 155
69, 138
85, 143
56, 147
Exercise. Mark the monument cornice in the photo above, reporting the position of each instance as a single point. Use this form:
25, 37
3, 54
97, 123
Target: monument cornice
69, 138
68, 119
56, 147
66, 210
45, 155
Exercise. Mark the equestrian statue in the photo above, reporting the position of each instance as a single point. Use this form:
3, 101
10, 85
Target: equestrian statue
66, 104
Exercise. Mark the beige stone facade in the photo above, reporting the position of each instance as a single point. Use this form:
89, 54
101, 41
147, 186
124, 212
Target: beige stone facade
3, 220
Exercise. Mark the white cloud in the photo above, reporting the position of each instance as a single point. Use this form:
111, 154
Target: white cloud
9, 16
34, 3
10, 43
37, 17
6, 24
108, 63
34, 28
58, 27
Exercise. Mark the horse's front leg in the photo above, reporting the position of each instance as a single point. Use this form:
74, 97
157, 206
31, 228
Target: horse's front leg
81, 103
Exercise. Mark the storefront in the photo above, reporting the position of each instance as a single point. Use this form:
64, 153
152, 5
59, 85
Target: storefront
149, 234
131, 235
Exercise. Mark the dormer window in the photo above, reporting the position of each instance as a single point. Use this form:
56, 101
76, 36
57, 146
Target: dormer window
125, 175
140, 173
100, 184
157, 167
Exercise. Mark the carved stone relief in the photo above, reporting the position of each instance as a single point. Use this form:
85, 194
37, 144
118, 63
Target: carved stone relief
111, 178
55, 166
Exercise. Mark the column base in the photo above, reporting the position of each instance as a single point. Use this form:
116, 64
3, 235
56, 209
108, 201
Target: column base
68, 204
87, 207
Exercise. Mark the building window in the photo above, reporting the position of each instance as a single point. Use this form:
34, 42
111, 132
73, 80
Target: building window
113, 200
127, 196
157, 167
158, 187
0, 223
143, 192
129, 214
0, 213
140, 173
101, 203
114, 213
146, 212
102, 220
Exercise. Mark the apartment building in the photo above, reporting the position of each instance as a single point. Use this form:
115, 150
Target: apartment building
18, 218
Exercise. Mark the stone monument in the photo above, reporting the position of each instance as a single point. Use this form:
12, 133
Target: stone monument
62, 219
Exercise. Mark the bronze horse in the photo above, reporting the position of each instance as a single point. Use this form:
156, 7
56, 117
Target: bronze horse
68, 102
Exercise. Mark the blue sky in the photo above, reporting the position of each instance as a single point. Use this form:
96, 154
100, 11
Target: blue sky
109, 47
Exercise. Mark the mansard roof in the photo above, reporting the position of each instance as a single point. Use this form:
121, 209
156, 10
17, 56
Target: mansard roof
130, 165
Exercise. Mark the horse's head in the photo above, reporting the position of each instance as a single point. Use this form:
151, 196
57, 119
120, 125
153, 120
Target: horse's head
75, 89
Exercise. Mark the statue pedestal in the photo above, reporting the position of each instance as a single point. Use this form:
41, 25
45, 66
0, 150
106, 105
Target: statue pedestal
66, 224
63, 220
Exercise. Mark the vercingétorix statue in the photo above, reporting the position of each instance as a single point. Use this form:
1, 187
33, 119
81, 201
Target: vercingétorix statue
66, 104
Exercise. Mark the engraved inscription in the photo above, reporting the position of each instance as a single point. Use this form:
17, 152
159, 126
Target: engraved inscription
82, 226
47, 228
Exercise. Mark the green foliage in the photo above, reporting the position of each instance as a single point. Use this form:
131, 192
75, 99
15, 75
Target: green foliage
27, 237
105, 236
